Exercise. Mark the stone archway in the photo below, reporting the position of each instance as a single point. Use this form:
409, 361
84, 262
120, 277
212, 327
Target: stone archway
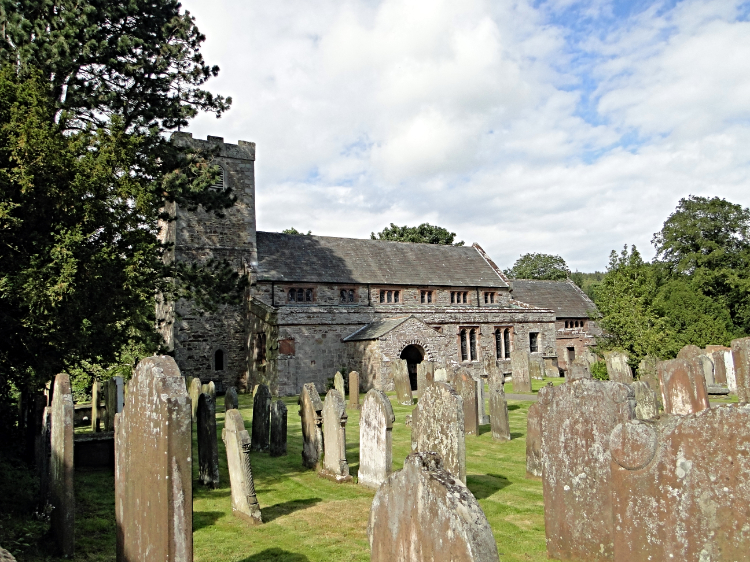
414, 354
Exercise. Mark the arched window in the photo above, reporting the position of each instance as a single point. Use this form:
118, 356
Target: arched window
498, 343
218, 360
473, 344
464, 355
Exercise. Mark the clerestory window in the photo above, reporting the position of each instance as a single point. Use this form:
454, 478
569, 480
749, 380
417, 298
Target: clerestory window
426, 297
389, 297
459, 297
298, 294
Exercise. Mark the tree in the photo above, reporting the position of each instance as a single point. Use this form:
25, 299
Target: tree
293, 230
423, 234
539, 266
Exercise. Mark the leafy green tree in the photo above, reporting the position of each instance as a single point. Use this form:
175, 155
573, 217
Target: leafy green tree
293, 230
539, 266
423, 234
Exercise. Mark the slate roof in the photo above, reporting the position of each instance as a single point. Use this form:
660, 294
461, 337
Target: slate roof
374, 330
325, 259
563, 297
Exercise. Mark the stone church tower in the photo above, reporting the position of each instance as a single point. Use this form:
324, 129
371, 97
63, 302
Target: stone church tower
213, 346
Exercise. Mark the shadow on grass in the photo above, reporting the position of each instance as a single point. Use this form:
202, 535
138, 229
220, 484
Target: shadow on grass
485, 429
484, 485
512, 407
517, 435
205, 518
276, 554
280, 509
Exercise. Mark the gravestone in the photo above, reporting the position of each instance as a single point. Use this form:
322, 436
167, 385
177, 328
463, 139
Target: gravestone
681, 487
335, 466
237, 443
536, 367
689, 352
425, 375
114, 400
195, 392
484, 418
338, 383
425, 513
400, 374
277, 446
683, 388
231, 400
44, 454
646, 404
648, 373
375, 439
466, 387
6, 556
353, 391
441, 374
211, 390
534, 441
618, 368
96, 398
577, 420
706, 364
720, 368
519, 366
261, 418
550, 369
438, 425
311, 417
499, 421
589, 357
153, 468
579, 369
61, 468
208, 449
741, 363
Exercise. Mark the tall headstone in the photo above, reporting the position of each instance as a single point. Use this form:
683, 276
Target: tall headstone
61, 469
534, 441
375, 439
311, 417
195, 392
681, 487
550, 369
706, 364
44, 455
423, 512
400, 374
683, 387
96, 398
335, 466
741, 363
519, 366
577, 420
466, 387
353, 391
338, 383
114, 400
720, 368
261, 418
237, 443
231, 400
689, 352
211, 390
208, 449
277, 446
425, 375
438, 425
153, 466
499, 421
536, 367
646, 404
618, 368
579, 369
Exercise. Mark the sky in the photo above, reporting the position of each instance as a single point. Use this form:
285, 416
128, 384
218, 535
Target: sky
562, 127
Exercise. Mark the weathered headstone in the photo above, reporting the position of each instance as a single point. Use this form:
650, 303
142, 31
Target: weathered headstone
466, 387
114, 400
618, 368
61, 468
438, 425
338, 383
519, 366
231, 400
153, 469
208, 449
44, 454
589, 357
311, 417
689, 352
237, 443
441, 374
425, 513
400, 374
706, 364
536, 367
353, 391
335, 466
261, 418
195, 392
425, 375
550, 369
579, 369
6, 556
375, 439
277, 446
720, 368
484, 418
211, 390
683, 388
96, 398
648, 373
681, 487
577, 420
741, 363
534, 441
646, 404
499, 421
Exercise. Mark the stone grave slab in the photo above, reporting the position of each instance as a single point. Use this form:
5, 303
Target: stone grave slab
375, 439
61, 466
689, 352
466, 387
353, 391
618, 368
96, 398
499, 421
536, 367
311, 417
400, 374
519, 366
231, 400
261, 418
683, 388
338, 383
534, 441
335, 466
208, 449
741, 364
277, 445
425, 375
238, 444
195, 392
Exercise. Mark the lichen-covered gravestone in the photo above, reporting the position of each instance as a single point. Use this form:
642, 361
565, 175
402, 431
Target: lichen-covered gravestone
338, 383
335, 466
311, 417
425, 513
536, 367
689, 352
211, 390
353, 391
96, 398
683, 387
519, 366
681, 487
741, 363
61, 469
648, 373
375, 439
534, 441
499, 408
277, 447
646, 405
114, 400
208, 449
153, 469
577, 419
195, 392
231, 400
720, 367
618, 368
400, 374
466, 387
425, 375
237, 443
438, 425
441, 374
579, 369
261, 418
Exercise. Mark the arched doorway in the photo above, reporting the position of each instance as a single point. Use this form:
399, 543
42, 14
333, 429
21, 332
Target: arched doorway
414, 355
